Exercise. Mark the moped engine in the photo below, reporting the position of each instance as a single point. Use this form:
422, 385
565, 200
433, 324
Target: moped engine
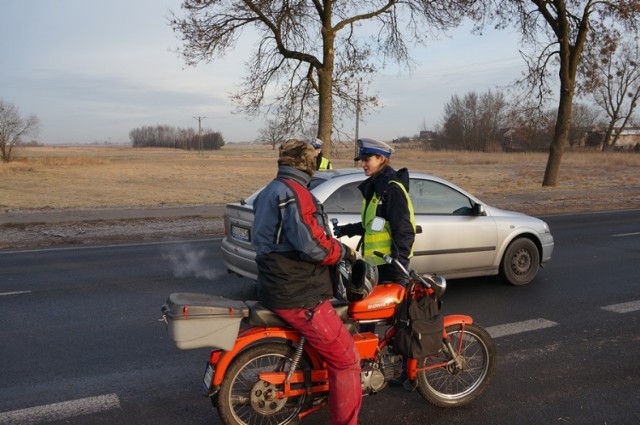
372, 380
374, 375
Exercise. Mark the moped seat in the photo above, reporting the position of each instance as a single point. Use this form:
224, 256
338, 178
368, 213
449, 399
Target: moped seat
261, 316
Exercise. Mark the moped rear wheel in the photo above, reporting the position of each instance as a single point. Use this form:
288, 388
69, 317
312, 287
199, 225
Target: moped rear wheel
458, 384
245, 399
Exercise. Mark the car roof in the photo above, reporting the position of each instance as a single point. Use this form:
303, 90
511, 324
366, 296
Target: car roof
330, 174
318, 178
354, 174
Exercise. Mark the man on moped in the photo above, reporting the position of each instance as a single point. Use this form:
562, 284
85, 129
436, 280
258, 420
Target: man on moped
294, 254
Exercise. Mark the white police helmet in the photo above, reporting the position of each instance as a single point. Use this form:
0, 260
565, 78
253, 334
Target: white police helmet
369, 147
315, 142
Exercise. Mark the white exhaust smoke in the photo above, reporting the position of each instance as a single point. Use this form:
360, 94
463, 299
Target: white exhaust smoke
187, 261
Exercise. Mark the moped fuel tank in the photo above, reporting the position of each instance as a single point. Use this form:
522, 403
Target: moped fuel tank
380, 304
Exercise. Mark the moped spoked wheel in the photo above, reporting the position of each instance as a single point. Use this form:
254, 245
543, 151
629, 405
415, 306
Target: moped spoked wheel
245, 399
458, 384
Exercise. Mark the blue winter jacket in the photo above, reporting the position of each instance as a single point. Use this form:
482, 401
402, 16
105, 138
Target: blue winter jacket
293, 242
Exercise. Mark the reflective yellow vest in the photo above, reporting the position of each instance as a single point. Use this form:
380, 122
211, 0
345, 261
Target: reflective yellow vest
324, 164
380, 241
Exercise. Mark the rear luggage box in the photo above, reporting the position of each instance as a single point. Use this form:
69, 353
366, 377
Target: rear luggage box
202, 320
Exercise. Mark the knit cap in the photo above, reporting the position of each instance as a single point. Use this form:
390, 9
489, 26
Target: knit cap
298, 154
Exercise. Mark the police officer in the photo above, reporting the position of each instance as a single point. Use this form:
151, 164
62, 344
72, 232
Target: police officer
322, 163
387, 225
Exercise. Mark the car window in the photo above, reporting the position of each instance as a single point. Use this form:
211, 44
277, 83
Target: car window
346, 200
430, 197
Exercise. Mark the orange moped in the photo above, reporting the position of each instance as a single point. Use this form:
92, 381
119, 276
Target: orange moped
261, 370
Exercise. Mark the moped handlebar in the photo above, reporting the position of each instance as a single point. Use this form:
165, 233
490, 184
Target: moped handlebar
435, 282
390, 260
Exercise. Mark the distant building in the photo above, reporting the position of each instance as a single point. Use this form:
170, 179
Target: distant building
403, 139
629, 139
428, 136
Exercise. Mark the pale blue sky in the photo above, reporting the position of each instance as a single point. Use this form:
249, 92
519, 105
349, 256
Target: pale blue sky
94, 70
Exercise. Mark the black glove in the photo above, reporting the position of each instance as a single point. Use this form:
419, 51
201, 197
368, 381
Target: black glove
351, 229
339, 231
349, 254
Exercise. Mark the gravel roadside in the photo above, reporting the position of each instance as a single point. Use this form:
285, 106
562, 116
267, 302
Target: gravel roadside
31, 229
48, 228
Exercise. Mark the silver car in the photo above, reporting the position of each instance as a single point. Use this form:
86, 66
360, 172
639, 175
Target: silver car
459, 236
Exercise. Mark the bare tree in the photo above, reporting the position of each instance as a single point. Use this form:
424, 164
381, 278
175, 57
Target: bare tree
310, 55
474, 121
457, 121
531, 127
493, 107
612, 77
171, 137
212, 140
556, 31
13, 128
585, 118
274, 133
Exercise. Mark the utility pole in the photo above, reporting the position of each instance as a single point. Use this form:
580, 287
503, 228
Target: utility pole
199, 133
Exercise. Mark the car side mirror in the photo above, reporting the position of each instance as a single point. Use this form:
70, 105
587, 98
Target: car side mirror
478, 209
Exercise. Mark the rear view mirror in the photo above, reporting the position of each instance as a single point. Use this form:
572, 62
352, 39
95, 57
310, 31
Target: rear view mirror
478, 209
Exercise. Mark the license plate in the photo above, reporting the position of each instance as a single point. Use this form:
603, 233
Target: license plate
208, 378
240, 233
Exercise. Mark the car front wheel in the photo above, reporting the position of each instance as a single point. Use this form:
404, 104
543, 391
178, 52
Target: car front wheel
521, 262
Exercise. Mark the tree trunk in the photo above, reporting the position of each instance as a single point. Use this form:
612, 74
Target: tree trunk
608, 134
569, 60
569, 55
557, 146
325, 81
325, 84
561, 132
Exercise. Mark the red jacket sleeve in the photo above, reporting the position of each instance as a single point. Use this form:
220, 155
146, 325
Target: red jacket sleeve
311, 237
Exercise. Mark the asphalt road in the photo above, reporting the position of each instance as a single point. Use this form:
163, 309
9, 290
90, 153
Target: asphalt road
80, 341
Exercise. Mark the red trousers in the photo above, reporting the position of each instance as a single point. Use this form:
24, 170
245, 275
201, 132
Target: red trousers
326, 333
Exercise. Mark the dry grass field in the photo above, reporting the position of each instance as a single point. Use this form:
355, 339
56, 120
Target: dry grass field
107, 177
67, 183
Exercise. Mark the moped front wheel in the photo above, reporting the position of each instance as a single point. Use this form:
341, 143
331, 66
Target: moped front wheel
459, 383
245, 399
